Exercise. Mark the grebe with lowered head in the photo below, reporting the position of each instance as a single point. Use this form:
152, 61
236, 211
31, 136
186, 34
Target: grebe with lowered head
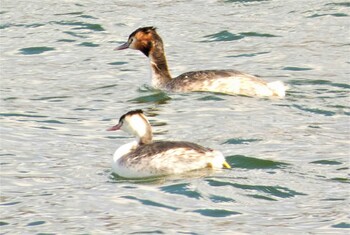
145, 157
232, 82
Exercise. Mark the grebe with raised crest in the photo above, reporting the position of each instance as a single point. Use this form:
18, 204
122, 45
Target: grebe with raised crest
145, 157
231, 82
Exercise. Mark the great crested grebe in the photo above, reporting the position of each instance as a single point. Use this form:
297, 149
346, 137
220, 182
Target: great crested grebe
231, 82
145, 157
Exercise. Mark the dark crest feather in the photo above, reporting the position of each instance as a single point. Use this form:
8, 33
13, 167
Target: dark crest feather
132, 112
147, 29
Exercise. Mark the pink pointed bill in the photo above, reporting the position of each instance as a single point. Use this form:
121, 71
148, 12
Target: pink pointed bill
115, 128
122, 47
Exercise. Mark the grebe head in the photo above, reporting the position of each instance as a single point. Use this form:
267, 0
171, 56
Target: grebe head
142, 39
135, 123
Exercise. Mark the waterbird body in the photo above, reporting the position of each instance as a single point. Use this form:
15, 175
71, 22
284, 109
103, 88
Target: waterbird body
231, 82
145, 157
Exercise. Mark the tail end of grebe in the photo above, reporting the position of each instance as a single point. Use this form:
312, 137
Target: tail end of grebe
278, 88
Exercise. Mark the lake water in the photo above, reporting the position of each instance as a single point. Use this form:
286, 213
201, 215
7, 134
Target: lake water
62, 86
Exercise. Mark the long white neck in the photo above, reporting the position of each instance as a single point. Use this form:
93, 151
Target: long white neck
139, 126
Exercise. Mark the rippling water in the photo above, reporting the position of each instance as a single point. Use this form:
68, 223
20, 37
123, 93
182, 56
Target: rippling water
62, 85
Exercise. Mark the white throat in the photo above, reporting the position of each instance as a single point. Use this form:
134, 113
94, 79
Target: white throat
155, 77
138, 126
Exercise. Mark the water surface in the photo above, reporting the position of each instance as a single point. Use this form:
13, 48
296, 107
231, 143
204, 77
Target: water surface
62, 86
